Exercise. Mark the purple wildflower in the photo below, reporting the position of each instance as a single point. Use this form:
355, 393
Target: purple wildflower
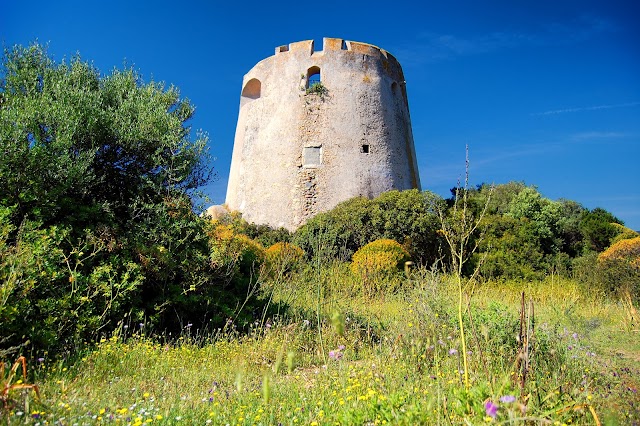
336, 354
507, 399
453, 351
491, 409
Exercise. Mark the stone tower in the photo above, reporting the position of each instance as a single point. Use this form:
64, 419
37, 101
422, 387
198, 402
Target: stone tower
317, 127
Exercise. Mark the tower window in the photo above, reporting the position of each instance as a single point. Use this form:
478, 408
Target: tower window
251, 91
365, 149
311, 156
313, 76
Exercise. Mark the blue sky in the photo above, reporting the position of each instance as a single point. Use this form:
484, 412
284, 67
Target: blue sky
542, 92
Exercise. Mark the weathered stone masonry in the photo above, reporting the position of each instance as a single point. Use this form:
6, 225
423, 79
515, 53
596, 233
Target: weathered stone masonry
298, 152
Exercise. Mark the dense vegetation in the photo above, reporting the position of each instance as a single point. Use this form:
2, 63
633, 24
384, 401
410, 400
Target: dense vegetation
105, 263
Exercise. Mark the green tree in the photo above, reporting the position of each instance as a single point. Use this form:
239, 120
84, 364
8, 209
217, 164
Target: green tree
540, 217
598, 229
83, 149
96, 174
569, 227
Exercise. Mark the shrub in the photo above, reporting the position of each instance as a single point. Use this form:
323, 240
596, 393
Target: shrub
618, 269
233, 253
598, 229
378, 261
96, 216
626, 249
624, 233
54, 295
284, 258
404, 216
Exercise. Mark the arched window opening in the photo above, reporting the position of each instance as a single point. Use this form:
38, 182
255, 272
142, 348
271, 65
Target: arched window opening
251, 91
313, 76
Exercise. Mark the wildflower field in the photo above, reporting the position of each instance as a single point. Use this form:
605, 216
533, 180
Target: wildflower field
320, 353
120, 303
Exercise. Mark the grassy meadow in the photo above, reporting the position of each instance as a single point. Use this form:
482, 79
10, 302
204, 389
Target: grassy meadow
321, 353
121, 304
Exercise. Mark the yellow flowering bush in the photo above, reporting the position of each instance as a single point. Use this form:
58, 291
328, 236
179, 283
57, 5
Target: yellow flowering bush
624, 233
284, 257
628, 250
229, 249
619, 266
377, 263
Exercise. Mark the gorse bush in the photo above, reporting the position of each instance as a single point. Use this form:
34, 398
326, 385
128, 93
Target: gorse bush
263, 234
236, 255
284, 258
619, 269
378, 261
625, 249
624, 233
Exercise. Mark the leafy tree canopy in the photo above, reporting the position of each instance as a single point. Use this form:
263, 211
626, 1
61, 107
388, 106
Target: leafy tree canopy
96, 220
598, 228
79, 147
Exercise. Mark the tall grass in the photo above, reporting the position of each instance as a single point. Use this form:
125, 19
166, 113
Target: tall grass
334, 356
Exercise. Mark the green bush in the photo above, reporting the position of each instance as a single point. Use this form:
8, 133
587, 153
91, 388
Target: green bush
56, 294
405, 216
598, 229
97, 221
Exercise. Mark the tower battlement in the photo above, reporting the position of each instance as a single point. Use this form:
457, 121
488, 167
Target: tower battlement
302, 147
334, 44
341, 45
